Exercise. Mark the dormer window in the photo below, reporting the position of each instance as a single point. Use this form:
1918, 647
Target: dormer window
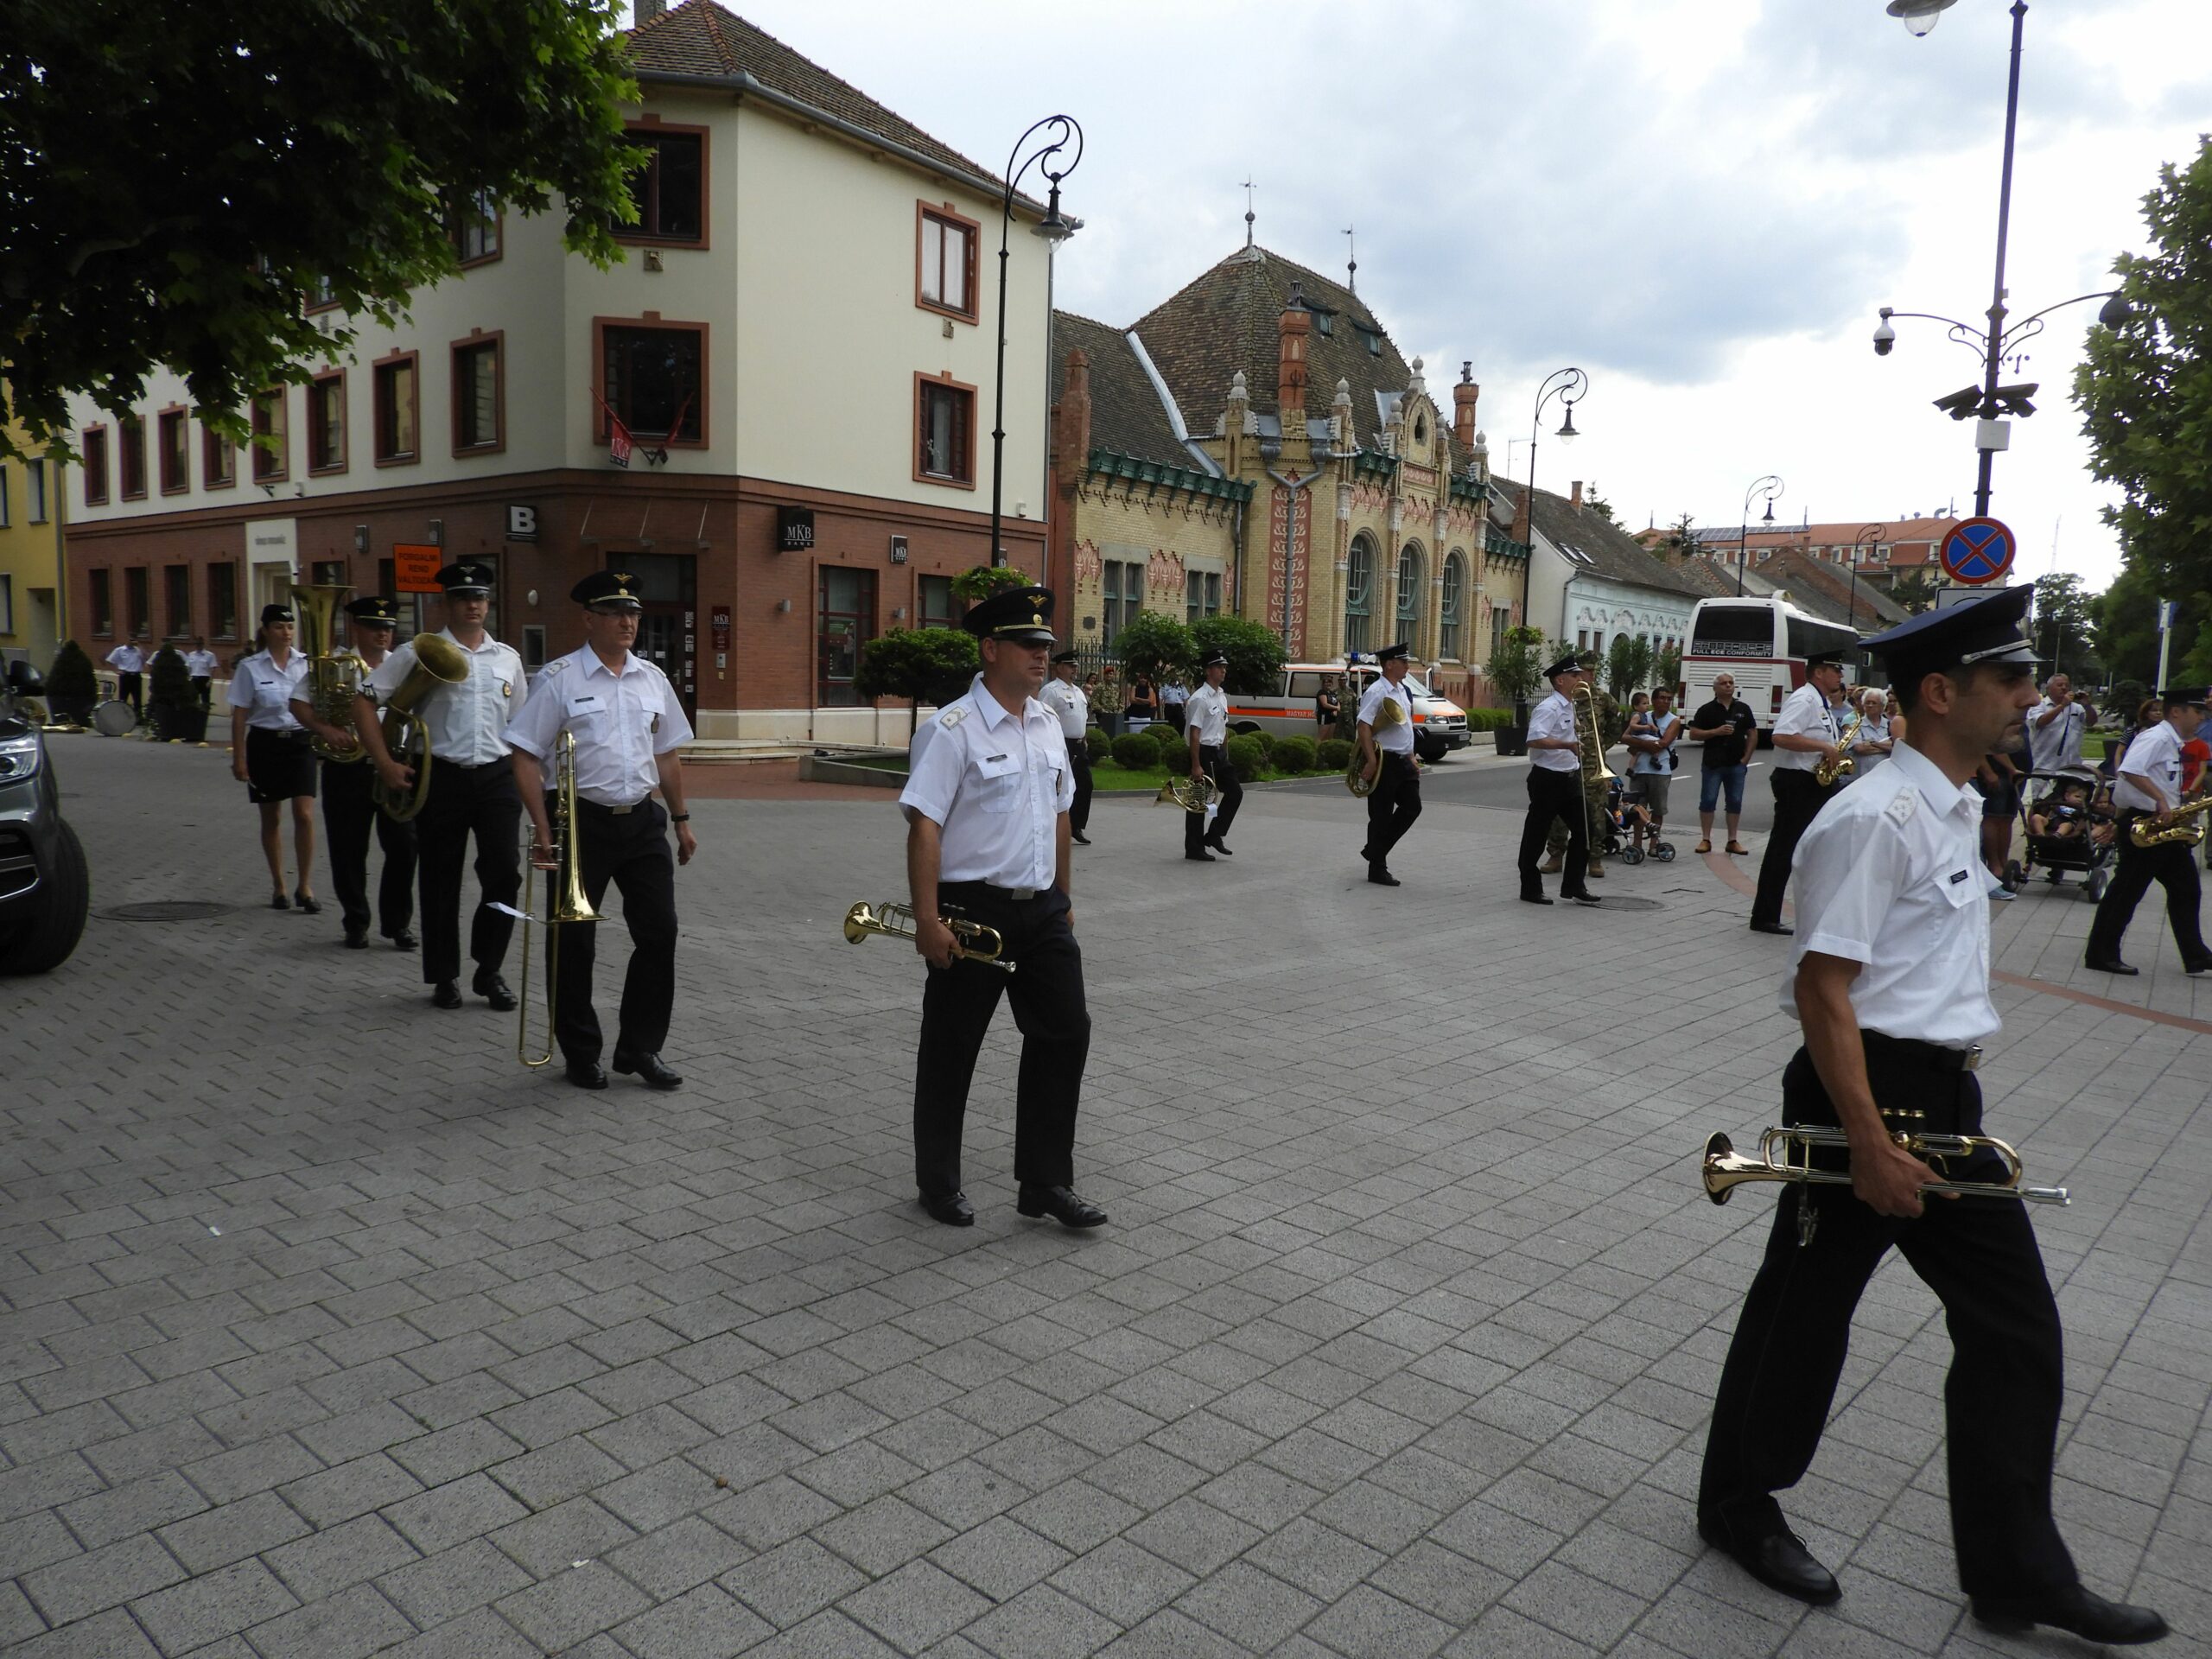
1421, 429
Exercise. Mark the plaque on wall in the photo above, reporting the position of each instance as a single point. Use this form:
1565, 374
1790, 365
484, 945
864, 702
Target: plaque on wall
794, 530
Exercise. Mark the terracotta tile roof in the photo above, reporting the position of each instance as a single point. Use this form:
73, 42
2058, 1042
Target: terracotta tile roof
1126, 415
1825, 590
701, 38
1612, 552
1227, 319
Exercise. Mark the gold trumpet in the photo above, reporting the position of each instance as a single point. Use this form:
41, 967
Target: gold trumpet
1388, 713
972, 940
1829, 770
438, 662
568, 903
2185, 829
334, 676
1785, 1155
1192, 794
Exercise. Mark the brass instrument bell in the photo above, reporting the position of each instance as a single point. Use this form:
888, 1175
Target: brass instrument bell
972, 942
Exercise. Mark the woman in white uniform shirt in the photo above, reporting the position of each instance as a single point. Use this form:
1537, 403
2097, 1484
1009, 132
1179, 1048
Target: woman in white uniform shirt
269, 752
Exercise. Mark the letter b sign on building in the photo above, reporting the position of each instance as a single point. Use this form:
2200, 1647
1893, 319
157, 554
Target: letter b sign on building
522, 523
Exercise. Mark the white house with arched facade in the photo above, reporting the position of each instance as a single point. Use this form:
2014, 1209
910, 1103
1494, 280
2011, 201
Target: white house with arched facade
1590, 581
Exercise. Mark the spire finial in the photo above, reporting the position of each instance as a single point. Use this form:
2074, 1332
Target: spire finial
1248, 212
1352, 260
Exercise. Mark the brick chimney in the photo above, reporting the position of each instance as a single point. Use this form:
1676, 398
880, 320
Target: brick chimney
1521, 517
644, 12
1574, 495
1296, 323
1070, 459
1462, 406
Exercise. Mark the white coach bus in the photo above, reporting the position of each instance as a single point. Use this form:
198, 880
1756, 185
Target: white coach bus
1764, 643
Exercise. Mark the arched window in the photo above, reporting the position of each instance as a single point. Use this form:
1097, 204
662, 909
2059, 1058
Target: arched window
1455, 587
1359, 586
1409, 579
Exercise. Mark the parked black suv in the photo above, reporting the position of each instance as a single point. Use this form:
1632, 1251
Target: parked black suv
44, 888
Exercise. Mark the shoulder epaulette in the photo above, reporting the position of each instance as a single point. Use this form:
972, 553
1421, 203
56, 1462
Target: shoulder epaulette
952, 716
1902, 805
555, 666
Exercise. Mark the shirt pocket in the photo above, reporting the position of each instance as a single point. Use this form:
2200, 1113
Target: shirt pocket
1958, 887
999, 780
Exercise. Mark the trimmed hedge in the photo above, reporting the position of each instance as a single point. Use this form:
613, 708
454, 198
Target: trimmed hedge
1247, 754
1334, 754
1174, 746
1094, 743
1488, 720
1293, 755
1135, 751
1265, 740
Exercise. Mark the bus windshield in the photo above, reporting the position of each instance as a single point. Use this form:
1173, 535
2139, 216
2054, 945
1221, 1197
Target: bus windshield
1733, 631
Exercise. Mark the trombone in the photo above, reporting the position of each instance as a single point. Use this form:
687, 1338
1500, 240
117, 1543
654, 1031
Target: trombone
567, 900
1785, 1155
971, 940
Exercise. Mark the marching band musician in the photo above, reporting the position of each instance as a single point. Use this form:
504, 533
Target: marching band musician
987, 814
1069, 703
2148, 788
1891, 981
1555, 788
1386, 756
629, 725
269, 752
1805, 735
349, 804
1205, 728
472, 789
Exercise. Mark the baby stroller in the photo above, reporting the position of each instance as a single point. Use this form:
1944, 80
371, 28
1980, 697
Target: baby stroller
2073, 841
1628, 823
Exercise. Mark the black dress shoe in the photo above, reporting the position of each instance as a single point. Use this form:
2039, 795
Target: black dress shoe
446, 995
493, 990
1585, 899
1061, 1204
1779, 1561
1380, 874
1534, 899
648, 1068
2204, 966
587, 1074
278, 901
1219, 846
1367, 853
405, 940
1078, 837
2109, 965
1780, 930
2089, 1617
1201, 857
950, 1208
357, 938
307, 903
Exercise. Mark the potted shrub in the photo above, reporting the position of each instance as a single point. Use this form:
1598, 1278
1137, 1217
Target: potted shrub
171, 702
921, 665
1515, 669
72, 688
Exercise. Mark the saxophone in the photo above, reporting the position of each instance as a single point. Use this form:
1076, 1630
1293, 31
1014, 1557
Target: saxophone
1828, 771
334, 675
2187, 828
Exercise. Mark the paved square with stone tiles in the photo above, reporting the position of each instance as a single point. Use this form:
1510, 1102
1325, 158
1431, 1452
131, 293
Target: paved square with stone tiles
327, 1329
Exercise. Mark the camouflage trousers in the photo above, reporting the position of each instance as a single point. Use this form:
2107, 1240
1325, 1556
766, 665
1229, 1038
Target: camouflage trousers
1593, 795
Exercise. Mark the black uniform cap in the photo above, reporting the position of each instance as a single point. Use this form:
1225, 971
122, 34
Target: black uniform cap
1022, 616
1982, 630
1068, 656
1214, 659
2192, 694
275, 613
465, 579
376, 611
1567, 665
1401, 649
615, 590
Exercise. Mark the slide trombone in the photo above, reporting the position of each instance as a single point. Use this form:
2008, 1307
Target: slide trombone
566, 903
971, 940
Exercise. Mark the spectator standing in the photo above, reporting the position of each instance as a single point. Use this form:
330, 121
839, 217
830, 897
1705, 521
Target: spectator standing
2056, 724
128, 662
200, 663
1173, 695
1142, 705
1874, 741
1999, 779
2148, 713
1653, 734
1727, 728
1326, 708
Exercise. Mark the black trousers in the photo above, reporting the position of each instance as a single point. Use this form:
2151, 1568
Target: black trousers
1797, 802
2007, 1382
1079, 760
465, 801
1046, 991
630, 850
349, 811
1215, 763
203, 688
1392, 806
1555, 795
131, 688
2174, 868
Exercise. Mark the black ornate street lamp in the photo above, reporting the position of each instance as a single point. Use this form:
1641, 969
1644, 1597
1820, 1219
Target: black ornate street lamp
1055, 231
1989, 403
1869, 539
1767, 487
1570, 386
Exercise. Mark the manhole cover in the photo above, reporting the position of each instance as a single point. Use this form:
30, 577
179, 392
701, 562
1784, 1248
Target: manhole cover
168, 909
1610, 903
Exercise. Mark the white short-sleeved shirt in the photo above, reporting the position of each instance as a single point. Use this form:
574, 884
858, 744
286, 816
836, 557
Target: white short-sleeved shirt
1170, 694
1874, 729
1206, 713
468, 722
1805, 713
1890, 876
1554, 718
622, 721
265, 691
996, 783
202, 665
1068, 703
2058, 744
126, 659
2155, 753
1397, 738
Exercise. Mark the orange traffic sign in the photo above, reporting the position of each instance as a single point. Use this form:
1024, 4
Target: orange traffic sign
415, 566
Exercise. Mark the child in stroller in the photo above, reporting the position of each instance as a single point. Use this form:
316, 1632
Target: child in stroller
1629, 832
2071, 826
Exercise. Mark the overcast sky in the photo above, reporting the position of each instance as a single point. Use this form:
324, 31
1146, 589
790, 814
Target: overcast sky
1701, 205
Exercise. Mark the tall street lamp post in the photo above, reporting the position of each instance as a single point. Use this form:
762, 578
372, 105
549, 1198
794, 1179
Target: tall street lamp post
1570, 386
1869, 541
1988, 403
1766, 488
1055, 231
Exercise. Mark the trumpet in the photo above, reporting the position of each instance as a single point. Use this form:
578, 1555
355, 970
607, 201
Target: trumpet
438, 662
2184, 828
1785, 1155
972, 941
1388, 713
1828, 771
1192, 794
567, 902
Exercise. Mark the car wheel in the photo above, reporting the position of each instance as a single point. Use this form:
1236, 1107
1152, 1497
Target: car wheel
1430, 752
55, 919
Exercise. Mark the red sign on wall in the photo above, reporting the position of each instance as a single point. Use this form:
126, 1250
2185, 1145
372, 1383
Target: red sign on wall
415, 566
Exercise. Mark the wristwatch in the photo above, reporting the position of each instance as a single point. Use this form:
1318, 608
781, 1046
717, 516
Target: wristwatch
679, 818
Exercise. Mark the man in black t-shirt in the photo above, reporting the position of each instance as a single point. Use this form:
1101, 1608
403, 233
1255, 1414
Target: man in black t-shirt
1728, 729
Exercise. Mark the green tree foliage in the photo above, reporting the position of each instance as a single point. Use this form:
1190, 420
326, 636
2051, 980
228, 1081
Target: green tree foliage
1682, 537
73, 679
1593, 502
1516, 668
1914, 591
924, 665
2127, 633
1155, 644
1628, 664
1254, 652
2064, 616
182, 179
979, 582
1667, 668
2145, 390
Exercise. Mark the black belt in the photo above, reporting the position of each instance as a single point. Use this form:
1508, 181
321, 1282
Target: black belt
590, 806
1934, 1057
1012, 895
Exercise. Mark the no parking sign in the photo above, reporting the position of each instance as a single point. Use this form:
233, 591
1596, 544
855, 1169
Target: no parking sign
1978, 551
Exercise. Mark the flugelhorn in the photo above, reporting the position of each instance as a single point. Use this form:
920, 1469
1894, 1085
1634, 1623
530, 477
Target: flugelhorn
566, 903
1388, 713
1835, 767
1785, 1155
972, 941
2184, 829
438, 662
334, 676
1192, 794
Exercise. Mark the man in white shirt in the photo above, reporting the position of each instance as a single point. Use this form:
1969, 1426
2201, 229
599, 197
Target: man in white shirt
1386, 761
200, 664
472, 789
1805, 735
1205, 728
1555, 791
128, 661
1068, 703
986, 802
1174, 698
2147, 791
2056, 725
1889, 978
629, 726
349, 807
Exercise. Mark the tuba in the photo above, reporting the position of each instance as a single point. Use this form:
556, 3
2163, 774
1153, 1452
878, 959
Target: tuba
438, 662
2187, 828
1388, 713
568, 902
334, 675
